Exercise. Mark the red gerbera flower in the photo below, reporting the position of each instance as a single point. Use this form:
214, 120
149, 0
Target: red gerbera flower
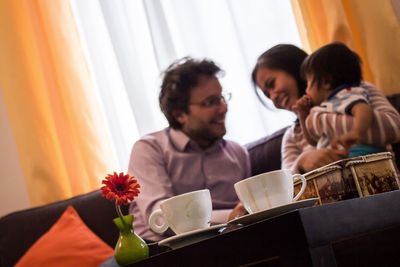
121, 187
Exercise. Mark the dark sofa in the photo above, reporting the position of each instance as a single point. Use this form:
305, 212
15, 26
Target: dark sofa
19, 230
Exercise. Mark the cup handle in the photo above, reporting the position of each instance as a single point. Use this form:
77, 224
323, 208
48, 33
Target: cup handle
153, 222
303, 185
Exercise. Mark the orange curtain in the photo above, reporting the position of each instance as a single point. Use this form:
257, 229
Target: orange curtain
369, 27
61, 137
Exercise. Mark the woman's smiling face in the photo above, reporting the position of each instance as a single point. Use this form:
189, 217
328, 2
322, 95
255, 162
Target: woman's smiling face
279, 86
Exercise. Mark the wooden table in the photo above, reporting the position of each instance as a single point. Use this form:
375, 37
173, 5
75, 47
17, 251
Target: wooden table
356, 232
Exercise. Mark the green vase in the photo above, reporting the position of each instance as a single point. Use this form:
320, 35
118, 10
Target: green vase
130, 247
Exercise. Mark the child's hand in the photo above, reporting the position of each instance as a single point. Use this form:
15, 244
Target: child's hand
302, 107
346, 140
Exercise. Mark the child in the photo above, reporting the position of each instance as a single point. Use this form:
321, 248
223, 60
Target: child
333, 75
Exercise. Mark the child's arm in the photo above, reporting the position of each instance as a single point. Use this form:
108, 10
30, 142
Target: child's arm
362, 119
363, 115
306, 134
302, 109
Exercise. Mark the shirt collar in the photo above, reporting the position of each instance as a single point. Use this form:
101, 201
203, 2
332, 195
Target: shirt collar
182, 142
179, 139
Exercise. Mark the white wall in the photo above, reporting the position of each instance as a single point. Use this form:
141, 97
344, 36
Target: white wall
13, 193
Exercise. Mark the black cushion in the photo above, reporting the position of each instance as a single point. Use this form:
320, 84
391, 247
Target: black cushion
265, 153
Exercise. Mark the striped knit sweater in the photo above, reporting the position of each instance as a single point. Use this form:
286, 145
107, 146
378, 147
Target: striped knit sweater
385, 128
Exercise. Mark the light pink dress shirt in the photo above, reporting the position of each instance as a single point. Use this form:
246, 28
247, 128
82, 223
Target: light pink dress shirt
168, 163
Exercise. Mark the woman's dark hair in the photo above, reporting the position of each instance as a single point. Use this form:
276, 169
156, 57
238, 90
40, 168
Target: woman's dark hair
179, 79
284, 57
335, 64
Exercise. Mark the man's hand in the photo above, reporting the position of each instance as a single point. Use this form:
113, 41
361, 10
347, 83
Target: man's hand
237, 211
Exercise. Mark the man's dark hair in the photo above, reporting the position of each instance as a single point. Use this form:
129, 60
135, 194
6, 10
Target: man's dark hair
179, 79
284, 57
335, 64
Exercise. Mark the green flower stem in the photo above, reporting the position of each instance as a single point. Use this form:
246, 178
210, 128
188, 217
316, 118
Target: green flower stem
118, 208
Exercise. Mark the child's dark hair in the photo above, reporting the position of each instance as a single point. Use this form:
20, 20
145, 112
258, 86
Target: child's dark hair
335, 64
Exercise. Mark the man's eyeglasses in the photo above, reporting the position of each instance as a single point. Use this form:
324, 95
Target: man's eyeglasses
214, 101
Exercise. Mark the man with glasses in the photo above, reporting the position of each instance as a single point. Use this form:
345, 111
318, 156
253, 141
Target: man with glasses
191, 153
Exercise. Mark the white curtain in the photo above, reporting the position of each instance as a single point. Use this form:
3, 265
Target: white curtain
129, 43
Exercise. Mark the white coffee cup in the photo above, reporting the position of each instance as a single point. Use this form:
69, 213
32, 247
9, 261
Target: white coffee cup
268, 190
183, 213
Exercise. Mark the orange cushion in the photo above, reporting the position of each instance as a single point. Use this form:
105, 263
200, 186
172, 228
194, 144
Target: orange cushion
69, 242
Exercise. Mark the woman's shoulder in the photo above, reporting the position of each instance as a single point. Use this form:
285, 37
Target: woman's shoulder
293, 133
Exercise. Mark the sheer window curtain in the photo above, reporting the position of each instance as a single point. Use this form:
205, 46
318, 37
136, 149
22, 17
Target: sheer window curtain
128, 43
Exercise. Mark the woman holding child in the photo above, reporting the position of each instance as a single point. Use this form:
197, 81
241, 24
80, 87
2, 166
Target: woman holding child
277, 74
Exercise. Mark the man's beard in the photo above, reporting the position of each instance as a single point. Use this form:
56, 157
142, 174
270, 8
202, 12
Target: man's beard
205, 134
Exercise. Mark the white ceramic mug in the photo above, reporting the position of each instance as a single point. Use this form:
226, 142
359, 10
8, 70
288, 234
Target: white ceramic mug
183, 213
268, 190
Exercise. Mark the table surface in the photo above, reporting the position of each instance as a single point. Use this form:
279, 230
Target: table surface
356, 232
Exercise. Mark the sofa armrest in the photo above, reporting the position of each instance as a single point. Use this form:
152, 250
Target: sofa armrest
265, 153
395, 101
20, 230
